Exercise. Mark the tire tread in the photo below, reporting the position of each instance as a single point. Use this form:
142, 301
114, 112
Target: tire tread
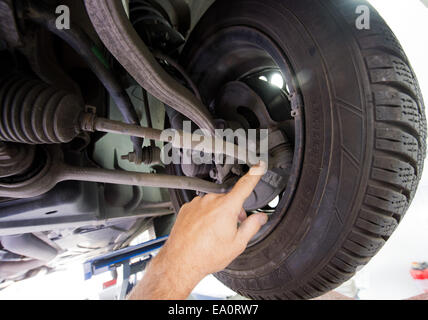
400, 150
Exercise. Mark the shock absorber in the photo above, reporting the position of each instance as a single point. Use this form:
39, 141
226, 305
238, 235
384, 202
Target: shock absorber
33, 112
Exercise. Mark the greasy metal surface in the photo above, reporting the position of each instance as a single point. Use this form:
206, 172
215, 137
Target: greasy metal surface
216, 56
57, 171
177, 138
43, 115
112, 24
150, 156
109, 149
139, 179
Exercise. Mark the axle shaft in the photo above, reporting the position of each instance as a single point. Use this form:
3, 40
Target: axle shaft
178, 139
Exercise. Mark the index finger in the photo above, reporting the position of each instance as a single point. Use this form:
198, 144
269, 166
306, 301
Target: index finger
246, 185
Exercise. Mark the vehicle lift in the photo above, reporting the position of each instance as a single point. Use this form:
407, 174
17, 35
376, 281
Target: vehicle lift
114, 260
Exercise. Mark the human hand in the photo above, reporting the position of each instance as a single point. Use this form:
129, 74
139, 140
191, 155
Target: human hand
205, 239
206, 233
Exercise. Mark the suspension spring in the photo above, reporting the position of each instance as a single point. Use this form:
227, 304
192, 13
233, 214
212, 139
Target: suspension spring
154, 26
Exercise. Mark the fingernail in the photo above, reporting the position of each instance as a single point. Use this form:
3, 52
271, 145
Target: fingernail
259, 170
263, 218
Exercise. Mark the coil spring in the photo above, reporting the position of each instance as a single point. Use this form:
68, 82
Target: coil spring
153, 25
33, 112
145, 10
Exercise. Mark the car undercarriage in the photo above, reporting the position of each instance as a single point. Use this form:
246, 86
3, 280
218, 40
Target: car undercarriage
108, 106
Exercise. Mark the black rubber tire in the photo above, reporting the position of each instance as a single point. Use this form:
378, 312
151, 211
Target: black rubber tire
364, 150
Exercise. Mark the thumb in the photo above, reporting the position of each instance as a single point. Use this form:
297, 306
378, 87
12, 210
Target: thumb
250, 227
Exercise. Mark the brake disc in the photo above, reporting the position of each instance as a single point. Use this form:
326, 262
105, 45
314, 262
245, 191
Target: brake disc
241, 107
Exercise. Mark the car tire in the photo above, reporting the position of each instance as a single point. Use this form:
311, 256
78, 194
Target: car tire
365, 142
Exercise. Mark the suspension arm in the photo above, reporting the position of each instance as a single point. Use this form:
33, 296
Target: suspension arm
57, 171
119, 36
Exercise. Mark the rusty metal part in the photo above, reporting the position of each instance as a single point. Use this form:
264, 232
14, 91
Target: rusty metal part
272, 184
178, 139
35, 113
91, 123
15, 159
115, 30
139, 179
242, 107
151, 156
57, 171
176, 121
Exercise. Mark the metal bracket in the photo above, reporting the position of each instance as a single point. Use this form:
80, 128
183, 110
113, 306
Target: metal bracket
117, 258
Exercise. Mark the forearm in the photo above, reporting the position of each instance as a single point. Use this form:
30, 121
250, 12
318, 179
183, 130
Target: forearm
167, 278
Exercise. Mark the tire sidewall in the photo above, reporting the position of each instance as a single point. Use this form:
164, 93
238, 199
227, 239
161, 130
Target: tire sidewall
333, 82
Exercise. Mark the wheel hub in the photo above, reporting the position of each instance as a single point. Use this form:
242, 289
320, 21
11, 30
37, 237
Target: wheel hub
242, 108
